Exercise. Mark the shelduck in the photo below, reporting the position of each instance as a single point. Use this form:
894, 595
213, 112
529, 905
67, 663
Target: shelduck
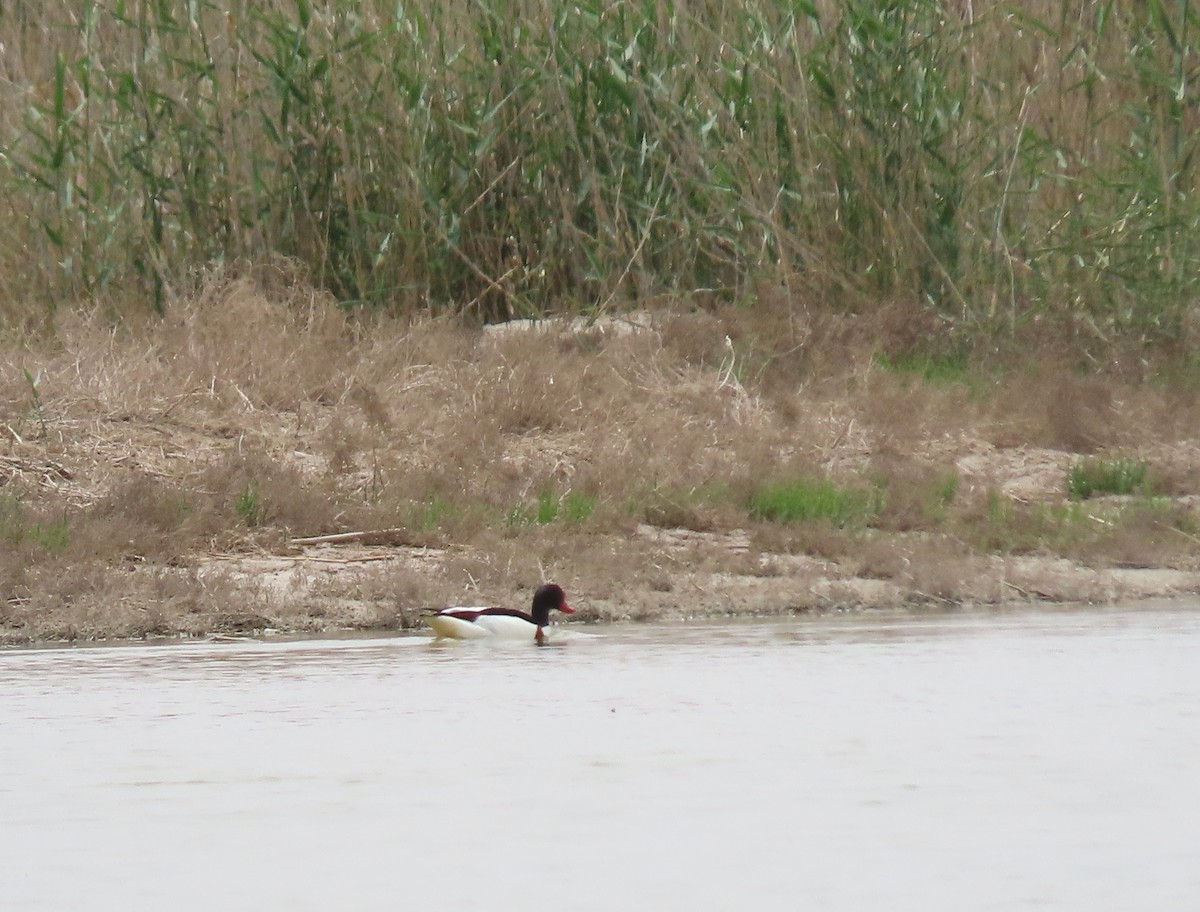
503, 623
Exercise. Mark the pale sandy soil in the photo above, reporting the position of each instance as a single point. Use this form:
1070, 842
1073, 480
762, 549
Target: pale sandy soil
325, 578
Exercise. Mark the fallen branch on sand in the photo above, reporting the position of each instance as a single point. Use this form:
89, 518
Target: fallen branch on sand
45, 470
367, 537
360, 559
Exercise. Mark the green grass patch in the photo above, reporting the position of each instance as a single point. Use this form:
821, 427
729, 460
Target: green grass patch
1096, 477
572, 507
430, 514
936, 369
1143, 532
18, 528
546, 510
51, 536
577, 506
807, 500
1010, 527
249, 506
944, 489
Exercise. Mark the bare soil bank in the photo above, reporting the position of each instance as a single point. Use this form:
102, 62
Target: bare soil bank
162, 479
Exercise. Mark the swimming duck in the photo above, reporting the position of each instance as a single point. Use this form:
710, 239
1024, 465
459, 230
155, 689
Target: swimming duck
504, 623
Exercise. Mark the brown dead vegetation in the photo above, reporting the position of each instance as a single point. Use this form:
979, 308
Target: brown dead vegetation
153, 472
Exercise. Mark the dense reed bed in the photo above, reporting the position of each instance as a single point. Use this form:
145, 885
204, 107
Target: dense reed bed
990, 166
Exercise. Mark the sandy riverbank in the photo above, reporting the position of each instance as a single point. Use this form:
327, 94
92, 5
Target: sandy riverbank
161, 478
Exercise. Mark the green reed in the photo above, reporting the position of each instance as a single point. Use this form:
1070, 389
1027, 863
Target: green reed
996, 162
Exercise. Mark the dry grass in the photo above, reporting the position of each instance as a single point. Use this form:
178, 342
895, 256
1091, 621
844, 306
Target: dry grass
133, 450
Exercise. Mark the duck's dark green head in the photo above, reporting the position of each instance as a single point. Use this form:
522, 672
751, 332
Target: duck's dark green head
549, 598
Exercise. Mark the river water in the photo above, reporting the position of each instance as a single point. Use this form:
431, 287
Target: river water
967, 761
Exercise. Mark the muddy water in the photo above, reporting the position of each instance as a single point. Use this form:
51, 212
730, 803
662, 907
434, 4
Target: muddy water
1012, 761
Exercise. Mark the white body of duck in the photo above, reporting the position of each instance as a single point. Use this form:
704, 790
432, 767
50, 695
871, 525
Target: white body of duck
502, 623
